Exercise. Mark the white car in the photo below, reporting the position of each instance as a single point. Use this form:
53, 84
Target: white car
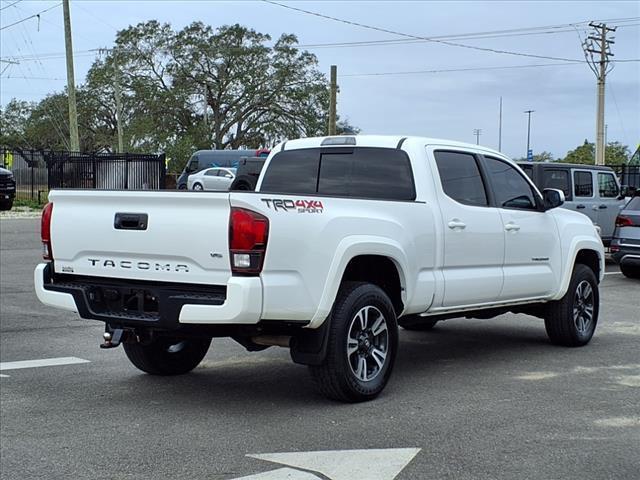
212, 179
344, 239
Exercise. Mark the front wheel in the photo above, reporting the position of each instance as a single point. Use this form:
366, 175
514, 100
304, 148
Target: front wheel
198, 187
167, 355
571, 321
362, 345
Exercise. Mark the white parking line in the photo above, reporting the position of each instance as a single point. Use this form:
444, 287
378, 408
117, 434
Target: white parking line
45, 362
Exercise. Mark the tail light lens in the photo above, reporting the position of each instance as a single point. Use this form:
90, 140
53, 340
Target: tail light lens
45, 231
622, 221
248, 234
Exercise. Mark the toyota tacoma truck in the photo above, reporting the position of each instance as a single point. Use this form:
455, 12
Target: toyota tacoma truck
344, 240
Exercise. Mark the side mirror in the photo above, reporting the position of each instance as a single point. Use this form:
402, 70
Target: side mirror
552, 197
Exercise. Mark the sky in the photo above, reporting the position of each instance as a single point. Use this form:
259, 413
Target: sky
443, 104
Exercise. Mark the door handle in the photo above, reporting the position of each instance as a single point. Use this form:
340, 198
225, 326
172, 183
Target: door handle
580, 207
511, 227
602, 207
455, 223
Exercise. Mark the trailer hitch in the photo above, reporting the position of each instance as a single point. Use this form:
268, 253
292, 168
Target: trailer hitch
112, 338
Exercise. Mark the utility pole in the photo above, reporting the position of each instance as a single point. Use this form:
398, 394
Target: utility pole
71, 84
597, 52
500, 127
333, 100
529, 152
477, 132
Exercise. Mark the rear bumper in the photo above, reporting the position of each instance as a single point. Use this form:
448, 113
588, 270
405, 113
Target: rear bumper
164, 306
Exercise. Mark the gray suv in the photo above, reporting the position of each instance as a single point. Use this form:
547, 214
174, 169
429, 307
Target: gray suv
589, 189
625, 245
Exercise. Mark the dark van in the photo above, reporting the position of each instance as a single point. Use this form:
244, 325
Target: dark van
215, 158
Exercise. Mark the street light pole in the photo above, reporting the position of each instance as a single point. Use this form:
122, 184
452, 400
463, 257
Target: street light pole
477, 132
529, 112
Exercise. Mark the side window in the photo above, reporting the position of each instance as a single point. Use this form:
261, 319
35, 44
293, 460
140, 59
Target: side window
292, 171
528, 169
558, 179
460, 177
381, 173
607, 185
510, 187
583, 184
211, 173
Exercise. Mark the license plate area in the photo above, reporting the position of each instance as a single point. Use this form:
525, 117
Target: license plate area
125, 302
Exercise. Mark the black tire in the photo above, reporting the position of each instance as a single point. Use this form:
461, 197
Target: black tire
167, 355
415, 323
182, 186
567, 320
198, 187
630, 271
336, 377
6, 205
244, 183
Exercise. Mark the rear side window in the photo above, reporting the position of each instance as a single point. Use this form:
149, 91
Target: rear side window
292, 171
378, 173
583, 184
381, 173
607, 185
509, 186
460, 177
558, 179
634, 204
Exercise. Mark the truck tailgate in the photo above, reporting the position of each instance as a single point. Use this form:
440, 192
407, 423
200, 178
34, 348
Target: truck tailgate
183, 238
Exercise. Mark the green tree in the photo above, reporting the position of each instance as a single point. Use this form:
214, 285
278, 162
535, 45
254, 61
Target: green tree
615, 154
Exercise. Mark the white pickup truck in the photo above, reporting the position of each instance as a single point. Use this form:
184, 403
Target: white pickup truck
344, 239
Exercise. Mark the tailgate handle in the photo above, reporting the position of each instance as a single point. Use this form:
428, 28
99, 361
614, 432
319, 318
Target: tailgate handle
130, 221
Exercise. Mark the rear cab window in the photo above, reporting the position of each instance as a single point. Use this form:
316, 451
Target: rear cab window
460, 177
354, 172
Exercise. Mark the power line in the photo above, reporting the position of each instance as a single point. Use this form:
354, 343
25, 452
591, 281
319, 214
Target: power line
30, 17
545, 30
417, 37
10, 5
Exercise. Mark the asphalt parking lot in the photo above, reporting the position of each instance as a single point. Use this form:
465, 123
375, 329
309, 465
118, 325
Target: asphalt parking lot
474, 399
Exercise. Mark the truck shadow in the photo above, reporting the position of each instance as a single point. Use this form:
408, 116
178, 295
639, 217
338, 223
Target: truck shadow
269, 379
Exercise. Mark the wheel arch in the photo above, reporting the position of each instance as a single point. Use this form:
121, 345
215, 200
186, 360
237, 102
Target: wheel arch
584, 251
357, 259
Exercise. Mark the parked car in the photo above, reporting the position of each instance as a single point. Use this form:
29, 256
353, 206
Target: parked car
7, 189
589, 189
215, 158
625, 246
212, 179
344, 239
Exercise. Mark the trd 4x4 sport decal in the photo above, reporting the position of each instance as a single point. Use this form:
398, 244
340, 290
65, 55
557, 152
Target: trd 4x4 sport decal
300, 206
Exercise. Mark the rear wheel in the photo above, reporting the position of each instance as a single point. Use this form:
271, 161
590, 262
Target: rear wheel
571, 321
6, 204
167, 355
630, 271
362, 345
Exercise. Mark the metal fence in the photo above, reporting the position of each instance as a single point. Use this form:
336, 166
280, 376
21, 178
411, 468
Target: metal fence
37, 171
629, 175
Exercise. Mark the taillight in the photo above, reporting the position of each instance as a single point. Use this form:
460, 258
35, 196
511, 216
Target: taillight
45, 231
622, 221
248, 233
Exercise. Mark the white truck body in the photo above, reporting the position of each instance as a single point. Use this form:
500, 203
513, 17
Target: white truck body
450, 257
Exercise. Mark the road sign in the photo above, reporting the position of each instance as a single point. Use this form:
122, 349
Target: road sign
530, 155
